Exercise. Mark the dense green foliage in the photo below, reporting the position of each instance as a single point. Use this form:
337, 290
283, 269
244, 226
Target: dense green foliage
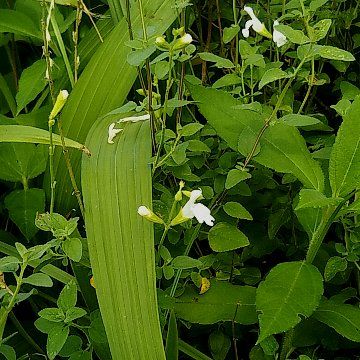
201, 172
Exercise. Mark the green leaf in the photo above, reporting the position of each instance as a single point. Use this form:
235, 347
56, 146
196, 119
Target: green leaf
52, 314
227, 80
289, 290
334, 265
21, 162
272, 75
230, 32
236, 210
23, 205
316, 4
119, 297
9, 264
172, 339
72, 344
295, 36
226, 237
68, 296
56, 340
344, 318
72, 248
191, 129
234, 176
39, 279
282, 147
32, 82
334, 53
344, 167
30, 134
8, 352
321, 29
213, 306
74, 313
100, 90
18, 23
185, 262
314, 199
219, 345
219, 61
299, 120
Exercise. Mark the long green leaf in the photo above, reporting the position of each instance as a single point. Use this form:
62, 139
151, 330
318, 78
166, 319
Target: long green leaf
116, 180
344, 167
103, 86
282, 148
30, 134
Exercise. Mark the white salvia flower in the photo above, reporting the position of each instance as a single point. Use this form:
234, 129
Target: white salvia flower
186, 39
278, 37
112, 133
183, 42
254, 23
144, 211
191, 210
135, 118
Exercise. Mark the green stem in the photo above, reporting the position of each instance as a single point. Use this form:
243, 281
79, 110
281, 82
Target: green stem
51, 168
320, 233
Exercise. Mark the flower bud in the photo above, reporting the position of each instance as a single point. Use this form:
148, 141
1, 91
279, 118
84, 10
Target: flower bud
149, 215
178, 196
59, 104
162, 43
183, 42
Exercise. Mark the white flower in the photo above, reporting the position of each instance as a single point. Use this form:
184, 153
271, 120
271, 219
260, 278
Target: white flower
186, 39
254, 23
135, 118
191, 210
112, 133
278, 37
183, 42
144, 211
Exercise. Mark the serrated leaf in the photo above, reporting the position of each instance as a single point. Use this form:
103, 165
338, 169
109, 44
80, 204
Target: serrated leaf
227, 80
72, 248
321, 29
334, 53
289, 290
344, 318
282, 147
213, 306
23, 205
39, 279
191, 129
9, 264
185, 262
344, 167
32, 82
316, 4
272, 75
226, 237
309, 198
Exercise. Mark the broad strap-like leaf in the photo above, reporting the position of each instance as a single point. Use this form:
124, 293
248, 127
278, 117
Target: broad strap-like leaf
344, 318
116, 180
30, 134
344, 167
222, 302
282, 148
103, 86
290, 289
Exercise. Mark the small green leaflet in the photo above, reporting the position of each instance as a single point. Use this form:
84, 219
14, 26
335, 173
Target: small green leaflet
230, 32
295, 36
334, 53
219, 61
272, 75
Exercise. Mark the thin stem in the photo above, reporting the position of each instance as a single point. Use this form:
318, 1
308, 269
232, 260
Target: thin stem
76, 39
311, 84
273, 114
51, 167
319, 235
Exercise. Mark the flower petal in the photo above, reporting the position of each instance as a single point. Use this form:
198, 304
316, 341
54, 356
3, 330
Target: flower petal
202, 214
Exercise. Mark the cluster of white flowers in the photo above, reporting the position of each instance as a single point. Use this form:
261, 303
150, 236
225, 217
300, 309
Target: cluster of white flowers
259, 27
190, 210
